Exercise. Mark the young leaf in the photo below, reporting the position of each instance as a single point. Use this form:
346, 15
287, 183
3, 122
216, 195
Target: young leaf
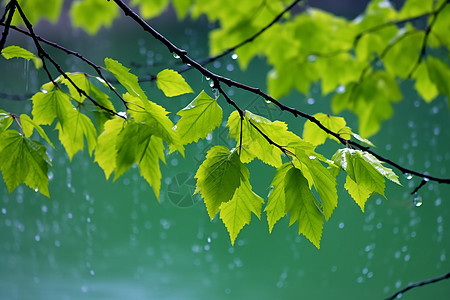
16, 51
77, 126
106, 151
131, 144
149, 163
50, 105
316, 136
275, 207
172, 83
5, 120
254, 144
236, 213
300, 203
29, 125
364, 174
155, 116
323, 180
23, 160
91, 15
198, 119
128, 80
361, 139
219, 176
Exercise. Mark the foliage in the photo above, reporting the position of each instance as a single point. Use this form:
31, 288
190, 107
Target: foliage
359, 62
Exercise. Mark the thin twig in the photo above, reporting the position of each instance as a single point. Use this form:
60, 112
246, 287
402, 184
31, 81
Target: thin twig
419, 283
96, 67
44, 55
221, 79
10, 9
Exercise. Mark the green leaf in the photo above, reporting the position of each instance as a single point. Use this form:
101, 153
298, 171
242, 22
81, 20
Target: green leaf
365, 174
50, 105
439, 74
29, 125
401, 57
131, 145
172, 83
361, 139
155, 117
149, 163
414, 8
276, 202
236, 213
16, 51
128, 80
23, 160
316, 136
323, 180
441, 26
91, 15
150, 9
76, 128
198, 119
426, 88
39, 9
106, 151
301, 205
219, 176
5, 120
254, 144
360, 193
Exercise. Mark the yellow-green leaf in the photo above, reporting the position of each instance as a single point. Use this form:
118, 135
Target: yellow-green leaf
236, 213
91, 15
172, 83
300, 203
23, 160
199, 118
28, 127
316, 136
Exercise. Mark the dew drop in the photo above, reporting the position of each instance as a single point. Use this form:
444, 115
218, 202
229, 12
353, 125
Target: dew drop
408, 176
417, 200
234, 56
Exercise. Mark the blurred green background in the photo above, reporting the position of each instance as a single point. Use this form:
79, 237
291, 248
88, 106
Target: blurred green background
95, 239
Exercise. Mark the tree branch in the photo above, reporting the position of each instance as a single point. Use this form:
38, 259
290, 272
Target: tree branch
10, 9
419, 283
221, 79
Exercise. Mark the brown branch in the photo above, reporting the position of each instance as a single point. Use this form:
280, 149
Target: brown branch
416, 284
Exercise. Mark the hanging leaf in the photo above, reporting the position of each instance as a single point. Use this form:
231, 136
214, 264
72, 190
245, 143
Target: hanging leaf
50, 105
91, 15
28, 127
76, 128
300, 203
219, 176
198, 119
23, 160
276, 203
128, 80
172, 83
236, 213
106, 151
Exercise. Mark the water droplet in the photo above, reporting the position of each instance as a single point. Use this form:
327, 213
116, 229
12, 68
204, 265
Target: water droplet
36, 190
176, 56
312, 58
4, 211
310, 101
417, 200
230, 67
341, 225
268, 102
234, 56
92, 272
211, 84
408, 176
